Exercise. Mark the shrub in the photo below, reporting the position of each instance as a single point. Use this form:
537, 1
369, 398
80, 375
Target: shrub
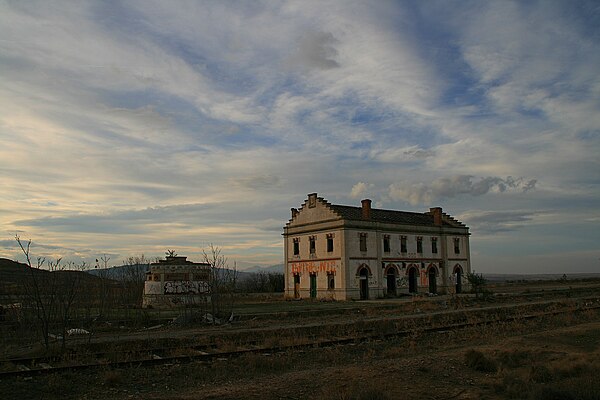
514, 359
112, 378
478, 361
540, 374
583, 388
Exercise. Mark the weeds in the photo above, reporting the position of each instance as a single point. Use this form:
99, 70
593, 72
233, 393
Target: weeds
112, 378
514, 359
478, 361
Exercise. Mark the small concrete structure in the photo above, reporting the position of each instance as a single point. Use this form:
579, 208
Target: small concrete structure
344, 252
176, 281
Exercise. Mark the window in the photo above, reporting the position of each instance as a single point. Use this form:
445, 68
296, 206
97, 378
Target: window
419, 244
456, 245
330, 242
363, 242
330, 281
403, 244
386, 243
313, 248
434, 245
296, 246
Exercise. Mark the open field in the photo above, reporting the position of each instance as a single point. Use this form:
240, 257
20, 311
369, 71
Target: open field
539, 340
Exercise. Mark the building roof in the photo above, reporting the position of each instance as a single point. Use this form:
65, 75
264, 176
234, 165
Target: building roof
351, 213
178, 260
386, 216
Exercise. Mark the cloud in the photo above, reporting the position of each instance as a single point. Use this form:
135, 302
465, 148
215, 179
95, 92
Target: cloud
257, 181
491, 222
317, 50
360, 190
148, 122
449, 187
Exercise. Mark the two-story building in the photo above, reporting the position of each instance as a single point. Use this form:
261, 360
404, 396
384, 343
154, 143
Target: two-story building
175, 281
344, 252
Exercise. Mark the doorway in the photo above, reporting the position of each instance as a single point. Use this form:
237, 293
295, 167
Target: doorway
364, 283
313, 286
297, 286
413, 274
458, 278
432, 280
391, 281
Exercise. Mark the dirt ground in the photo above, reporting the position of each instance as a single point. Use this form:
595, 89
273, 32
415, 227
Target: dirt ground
552, 358
534, 365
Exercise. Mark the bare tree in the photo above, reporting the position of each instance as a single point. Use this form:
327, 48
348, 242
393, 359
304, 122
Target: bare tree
51, 292
70, 281
262, 282
132, 277
103, 292
221, 283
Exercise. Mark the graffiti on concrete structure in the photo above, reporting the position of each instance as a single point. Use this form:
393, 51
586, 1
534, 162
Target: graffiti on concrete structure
423, 277
186, 287
402, 282
314, 266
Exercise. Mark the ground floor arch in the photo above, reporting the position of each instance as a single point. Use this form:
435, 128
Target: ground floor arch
296, 286
458, 274
391, 275
432, 278
413, 275
313, 286
363, 276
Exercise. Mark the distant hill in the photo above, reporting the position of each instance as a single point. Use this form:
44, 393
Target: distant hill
277, 268
14, 271
13, 274
537, 277
121, 272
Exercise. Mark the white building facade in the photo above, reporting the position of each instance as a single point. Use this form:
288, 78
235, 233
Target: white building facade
342, 252
176, 281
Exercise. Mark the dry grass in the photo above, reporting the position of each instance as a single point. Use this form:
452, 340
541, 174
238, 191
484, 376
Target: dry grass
112, 377
478, 361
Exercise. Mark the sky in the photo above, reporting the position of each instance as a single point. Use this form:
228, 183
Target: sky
133, 127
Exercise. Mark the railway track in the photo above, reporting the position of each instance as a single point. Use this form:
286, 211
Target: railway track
208, 352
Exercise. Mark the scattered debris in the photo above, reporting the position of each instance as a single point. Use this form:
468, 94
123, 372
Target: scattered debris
207, 318
154, 327
77, 331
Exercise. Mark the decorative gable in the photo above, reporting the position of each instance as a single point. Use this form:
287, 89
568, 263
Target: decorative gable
313, 209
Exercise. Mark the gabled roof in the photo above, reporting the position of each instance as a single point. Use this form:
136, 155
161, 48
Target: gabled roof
385, 216
351, 213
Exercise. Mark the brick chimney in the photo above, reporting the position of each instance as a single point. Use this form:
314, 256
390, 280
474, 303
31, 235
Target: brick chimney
366, 208
294, 212
437, 215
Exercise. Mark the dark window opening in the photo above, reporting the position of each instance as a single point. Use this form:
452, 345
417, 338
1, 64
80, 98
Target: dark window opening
434, 246
419, 244
312, 241
403, 248
329, 243
296, 247
363, 242
330, 281
386, 244
457, 246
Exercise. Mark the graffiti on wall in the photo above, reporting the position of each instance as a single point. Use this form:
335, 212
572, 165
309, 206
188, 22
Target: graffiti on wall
402, 283
185, 287
314, 266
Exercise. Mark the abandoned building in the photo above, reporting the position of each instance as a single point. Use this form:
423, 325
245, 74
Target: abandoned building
176, 281
343, 252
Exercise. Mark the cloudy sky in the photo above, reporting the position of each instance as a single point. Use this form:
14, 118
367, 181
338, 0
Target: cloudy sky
136, 126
